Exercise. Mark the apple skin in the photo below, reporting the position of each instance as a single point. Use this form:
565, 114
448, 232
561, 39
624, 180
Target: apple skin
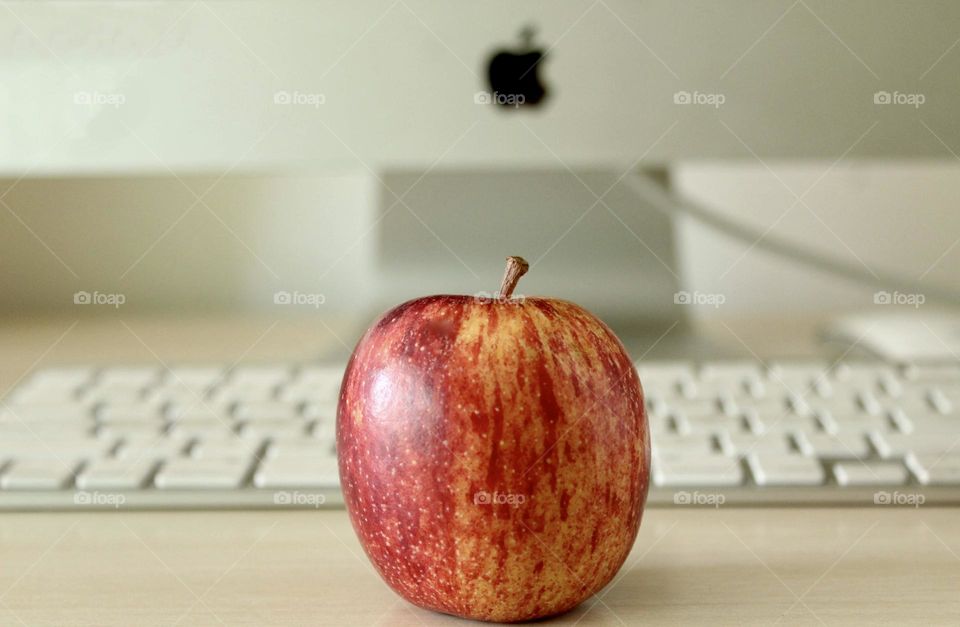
450, 398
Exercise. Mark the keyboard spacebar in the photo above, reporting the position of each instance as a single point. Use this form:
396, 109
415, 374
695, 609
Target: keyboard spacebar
295, 472
198, 474
712, 470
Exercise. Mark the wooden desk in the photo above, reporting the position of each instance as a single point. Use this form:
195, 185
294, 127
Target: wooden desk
689, 566
726, 566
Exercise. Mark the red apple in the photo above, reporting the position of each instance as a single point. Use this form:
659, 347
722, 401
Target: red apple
494, 452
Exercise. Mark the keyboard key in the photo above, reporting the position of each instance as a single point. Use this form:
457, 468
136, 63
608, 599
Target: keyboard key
838, 446
854, 423
785, 470
195, 377
890, 386
700, 407
204, 428
862, 374
869, 473
934, 423
320, 411
697, 470
35, 474
932, 374
710, 390
797, 371
130, 412
730, 371
845, 404
780, 424
62, 377
899, 445
185, 473
43, 430
772, 443
274, 428
666, 372
935, 469
259, 376
116, 474
113, 394
317, 472
177, 393
53, 412
270, 410
57, 447
682, 445
800, 405
659, 424
324, 431
32, 395
228, 447
332, 373
940, 401
207, 411
318, 382
233, 393
707, 425
300, 448
128, 376
137, 429
156, 449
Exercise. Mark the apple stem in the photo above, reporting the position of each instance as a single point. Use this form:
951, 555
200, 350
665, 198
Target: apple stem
516, 268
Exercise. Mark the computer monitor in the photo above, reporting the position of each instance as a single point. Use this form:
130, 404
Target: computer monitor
403, 99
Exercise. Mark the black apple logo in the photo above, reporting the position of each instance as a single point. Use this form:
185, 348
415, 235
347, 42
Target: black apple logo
514, 74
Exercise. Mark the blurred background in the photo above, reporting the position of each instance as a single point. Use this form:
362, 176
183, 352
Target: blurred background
333, 159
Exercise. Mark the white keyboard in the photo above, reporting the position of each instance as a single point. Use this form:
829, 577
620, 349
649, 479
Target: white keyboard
723, 433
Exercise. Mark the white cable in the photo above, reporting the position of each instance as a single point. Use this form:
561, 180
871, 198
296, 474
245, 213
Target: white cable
671, 204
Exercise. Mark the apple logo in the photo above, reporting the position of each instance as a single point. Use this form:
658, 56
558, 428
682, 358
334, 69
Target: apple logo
514, 74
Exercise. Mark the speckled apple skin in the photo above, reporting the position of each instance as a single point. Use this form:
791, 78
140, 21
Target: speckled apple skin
447, 398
